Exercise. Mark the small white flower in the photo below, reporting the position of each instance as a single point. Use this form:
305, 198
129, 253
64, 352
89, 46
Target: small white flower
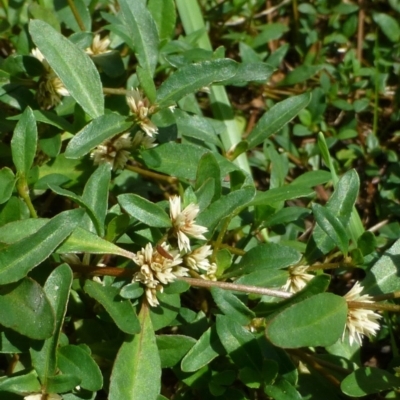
114, 151
183, 222
210, 274
360, 321
198, 258
157, 266
141, 108
99, 46
50, 89
143, 140
298, 278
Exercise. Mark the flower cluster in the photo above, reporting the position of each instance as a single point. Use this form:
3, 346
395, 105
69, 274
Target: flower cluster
142, 110
360, 321
51, 89
98, 46
162, 265
115, 151
298, 278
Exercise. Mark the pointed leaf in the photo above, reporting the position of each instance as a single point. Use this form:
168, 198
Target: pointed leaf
96, 132
24, 142
144, 210
138, 355
43, 354
17, 230
95, 195
277, 117
25, 308
316, 321
119, 309
75, 361
72, 65
19, 258
164, 15
142, 31
7, 182
283, 193
207, 347
193, 77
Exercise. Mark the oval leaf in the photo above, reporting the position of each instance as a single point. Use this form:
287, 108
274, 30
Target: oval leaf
7, 182
95, 132
119, 309
316, 321
19, 258
25, 308
72, 65
172, 348
137, 369
144, 210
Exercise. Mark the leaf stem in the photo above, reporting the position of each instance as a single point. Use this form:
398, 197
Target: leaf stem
76, 15
23, 191
151, 174
374, 306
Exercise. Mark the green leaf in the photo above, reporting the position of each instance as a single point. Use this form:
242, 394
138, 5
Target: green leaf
131, 291
367, 243
25, 308
207, 347
12, 342
389, 25
72, 65
96, 132
282, 390
79, 200
95, 195
316, 321
164, 15
62, 383
332, 226
144, 211
193, 77
383, 277
74, 360
277, 117
139, 356
83, 241
43, 354
366, 380
266, 256
7, 182
119, 309
24, 142
20, 383
239, 343
181, 160
250, 72
172, 348
231, 306
166, 312
226, 206
300, 74
19, 258
142, 31
208, 168
284, 193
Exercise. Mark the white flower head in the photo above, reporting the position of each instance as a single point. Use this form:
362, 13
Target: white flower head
184, 222
50, 89
141, 108
99, 46
298, 278
198, 258
158, 267
210, 275
141, 140
114, 151
360, 321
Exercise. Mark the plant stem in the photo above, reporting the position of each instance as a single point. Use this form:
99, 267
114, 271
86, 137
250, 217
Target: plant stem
76, 15
374, 306
23, 191
151, 174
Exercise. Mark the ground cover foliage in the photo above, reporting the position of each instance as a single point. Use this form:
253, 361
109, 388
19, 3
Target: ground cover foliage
199, 199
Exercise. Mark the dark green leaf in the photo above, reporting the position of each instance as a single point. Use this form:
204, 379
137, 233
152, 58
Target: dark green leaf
7, 182
172, 348
25, 308
72, 65
164, 15
284, 193
96, 132
62, 383
277, 117
250, 72
208, 168
24, 142
193, 77
138, 355
74, 360
142, 31
20, 383
316, 321
389, 25
166, 312
144, 210
19, 258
